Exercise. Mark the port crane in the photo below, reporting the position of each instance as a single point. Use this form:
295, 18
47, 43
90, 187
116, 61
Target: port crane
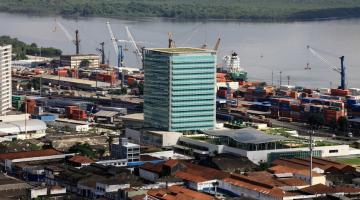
76, 41
341, 70
135, 46
119, 52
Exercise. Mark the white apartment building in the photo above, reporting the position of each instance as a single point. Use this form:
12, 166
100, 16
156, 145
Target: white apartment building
5, 79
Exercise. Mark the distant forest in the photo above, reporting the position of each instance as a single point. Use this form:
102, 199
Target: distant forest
258, 10
21, 49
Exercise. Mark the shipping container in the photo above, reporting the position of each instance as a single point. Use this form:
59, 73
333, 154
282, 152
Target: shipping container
339, 92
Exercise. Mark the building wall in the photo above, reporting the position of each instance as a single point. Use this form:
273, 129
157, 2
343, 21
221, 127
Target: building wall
131, 153
205, 186
163, 139
71, 126
102, 188
12, 118
34, 193
57, 191
156, 90
258, 156
147, 175
179, 91
33, 135
315, 180
75, 60
342, 150
5, 79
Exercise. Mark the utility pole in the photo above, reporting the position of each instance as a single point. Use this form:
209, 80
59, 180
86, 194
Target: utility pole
101, 50
77, 42
280, 78
288, 79
272, 77
311, 156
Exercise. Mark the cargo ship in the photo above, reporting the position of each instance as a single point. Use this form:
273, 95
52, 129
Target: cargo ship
231, 64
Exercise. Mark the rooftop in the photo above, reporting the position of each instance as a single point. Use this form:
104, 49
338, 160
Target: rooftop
156, 168
15, 127
178, 192
304, 163
321, 189
197, 173
181, 50
134, 117
76, 80
81, 159
29, 154
246, 135
104, 113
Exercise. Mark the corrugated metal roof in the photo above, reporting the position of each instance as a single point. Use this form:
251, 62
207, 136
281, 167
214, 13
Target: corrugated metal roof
16, 127
246, 135
103, 113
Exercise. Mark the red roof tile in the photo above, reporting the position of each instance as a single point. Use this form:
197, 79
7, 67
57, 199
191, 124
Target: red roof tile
81, 159
156, 168
304, 163
29, 154
178, 193
171, 163
319, 189
197, 173
323, 189
275, 192
280, 169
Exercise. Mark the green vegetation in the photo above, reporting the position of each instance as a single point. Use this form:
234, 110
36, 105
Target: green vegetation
21, 49
83, 149
191, 9
349, 161
316, 120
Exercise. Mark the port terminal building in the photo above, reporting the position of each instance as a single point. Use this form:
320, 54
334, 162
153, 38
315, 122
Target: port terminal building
256, 145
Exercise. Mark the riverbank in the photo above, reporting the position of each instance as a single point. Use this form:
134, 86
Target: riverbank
243, 10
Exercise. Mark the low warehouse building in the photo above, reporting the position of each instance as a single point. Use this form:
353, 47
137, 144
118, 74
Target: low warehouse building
70, 125
73, 82
25, 129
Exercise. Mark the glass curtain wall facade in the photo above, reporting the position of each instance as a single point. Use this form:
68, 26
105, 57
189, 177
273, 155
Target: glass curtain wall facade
179, 91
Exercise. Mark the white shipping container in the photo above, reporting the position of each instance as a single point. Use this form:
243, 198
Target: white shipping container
324, 90
231, 85
355, 91
287, 87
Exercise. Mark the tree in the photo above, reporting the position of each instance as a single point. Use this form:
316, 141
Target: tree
316, 120
343, 124
83, 149
123, 90
333, 124
84, 63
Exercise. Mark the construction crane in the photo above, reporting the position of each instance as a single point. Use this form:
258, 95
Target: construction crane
101, 50
340, 70
131, 39
76, 41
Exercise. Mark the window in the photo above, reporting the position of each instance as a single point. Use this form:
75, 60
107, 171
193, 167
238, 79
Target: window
333, 151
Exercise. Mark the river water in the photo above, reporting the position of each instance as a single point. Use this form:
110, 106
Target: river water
264, 48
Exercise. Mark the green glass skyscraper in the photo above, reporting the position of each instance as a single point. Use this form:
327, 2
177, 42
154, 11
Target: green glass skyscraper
179, 91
